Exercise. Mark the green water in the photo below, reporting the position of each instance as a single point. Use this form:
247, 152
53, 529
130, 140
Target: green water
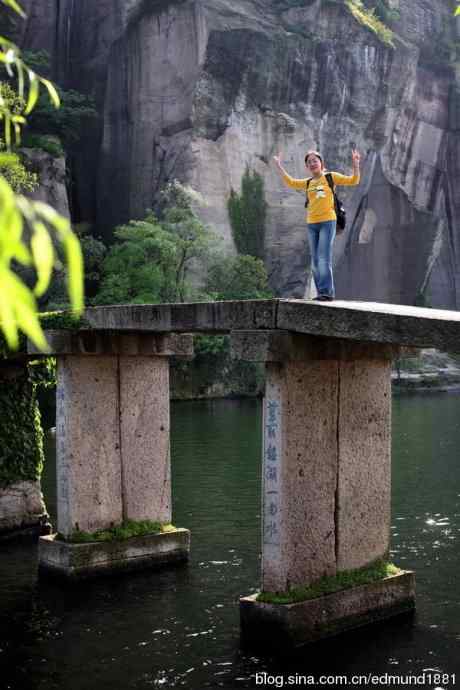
179, 628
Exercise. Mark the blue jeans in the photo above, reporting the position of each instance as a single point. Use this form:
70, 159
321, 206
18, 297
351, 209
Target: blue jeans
321, 238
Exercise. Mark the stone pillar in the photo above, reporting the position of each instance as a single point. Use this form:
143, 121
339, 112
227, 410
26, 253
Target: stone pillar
326, 456
88, 457
113, 460
299, 469
144, 433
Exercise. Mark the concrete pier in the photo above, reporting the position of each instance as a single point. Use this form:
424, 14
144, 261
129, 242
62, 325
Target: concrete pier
326, 468
112, 429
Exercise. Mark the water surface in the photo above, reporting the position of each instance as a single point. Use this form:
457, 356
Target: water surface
179, 628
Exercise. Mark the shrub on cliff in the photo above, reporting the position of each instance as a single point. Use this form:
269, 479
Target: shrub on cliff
247, 212
239, 277
66, 123
152, 260
11, 167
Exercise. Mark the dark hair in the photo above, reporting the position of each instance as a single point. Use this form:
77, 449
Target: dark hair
314, 153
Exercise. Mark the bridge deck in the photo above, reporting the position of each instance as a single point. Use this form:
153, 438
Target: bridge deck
363, 321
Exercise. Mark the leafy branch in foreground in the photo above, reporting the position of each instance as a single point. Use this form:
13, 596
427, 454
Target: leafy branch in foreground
25, 225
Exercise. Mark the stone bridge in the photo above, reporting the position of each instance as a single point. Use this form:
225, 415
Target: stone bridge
326, 443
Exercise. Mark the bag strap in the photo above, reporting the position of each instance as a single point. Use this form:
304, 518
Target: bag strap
330, 182
306, 191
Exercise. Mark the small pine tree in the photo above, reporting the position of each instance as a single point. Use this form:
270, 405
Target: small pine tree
248, 212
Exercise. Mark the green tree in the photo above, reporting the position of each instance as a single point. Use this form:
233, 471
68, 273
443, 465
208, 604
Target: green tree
152, 260
192, 239
248, 212
94, 252
26, 227
140, 267
66, 123
11, 166
239, 277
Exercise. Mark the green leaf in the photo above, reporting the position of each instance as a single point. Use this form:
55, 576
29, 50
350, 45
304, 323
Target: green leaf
5, 43
28, 322
20, 301
8, 159
7, 321
18, 309
10, 58
26, 207
34, 91
20, 70
15, 6
52, 92
17, 133
61, 224
7, 203
43, 254
7, 118
15, 248
75, 271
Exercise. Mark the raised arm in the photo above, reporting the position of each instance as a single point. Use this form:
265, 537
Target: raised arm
290, 181
349, 179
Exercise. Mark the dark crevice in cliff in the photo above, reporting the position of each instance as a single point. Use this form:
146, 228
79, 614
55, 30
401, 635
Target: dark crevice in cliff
147, 8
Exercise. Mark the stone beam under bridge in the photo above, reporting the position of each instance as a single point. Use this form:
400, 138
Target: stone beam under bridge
326, 469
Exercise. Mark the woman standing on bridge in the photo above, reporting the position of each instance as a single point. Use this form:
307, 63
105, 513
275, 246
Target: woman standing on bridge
321, 215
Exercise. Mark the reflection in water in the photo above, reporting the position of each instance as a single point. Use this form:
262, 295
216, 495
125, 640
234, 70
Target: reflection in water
180, 627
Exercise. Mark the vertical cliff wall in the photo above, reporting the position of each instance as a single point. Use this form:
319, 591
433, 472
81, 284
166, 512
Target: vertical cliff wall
199, 89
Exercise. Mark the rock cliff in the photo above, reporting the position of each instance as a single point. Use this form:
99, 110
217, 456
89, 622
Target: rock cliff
200, 89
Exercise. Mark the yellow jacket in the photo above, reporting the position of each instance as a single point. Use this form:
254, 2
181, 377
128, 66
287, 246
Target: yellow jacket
320, 197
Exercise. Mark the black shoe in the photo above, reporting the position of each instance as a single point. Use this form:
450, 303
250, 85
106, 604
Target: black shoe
324, 298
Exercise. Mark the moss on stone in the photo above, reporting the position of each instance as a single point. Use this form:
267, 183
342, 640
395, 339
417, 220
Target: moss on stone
49, 321
328, 585
62, 320
369, 19
21, 433
127, 529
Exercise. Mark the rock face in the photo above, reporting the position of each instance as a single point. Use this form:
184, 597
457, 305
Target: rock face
51, 172
199, 89
22, 508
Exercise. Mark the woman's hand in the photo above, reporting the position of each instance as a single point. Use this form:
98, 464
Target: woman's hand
355, 158
277, 160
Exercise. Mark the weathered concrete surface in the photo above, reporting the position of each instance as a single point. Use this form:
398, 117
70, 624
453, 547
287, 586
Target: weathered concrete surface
129, 344
203, 316
88, 457
363, 510
144, 432
299, 473
281, 346
77, 561
326, 454
374, 322
287, 626
22, 508
359, 321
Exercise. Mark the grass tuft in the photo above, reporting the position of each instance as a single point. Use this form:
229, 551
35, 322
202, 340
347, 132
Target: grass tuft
129, 528
369, 19
328, 585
